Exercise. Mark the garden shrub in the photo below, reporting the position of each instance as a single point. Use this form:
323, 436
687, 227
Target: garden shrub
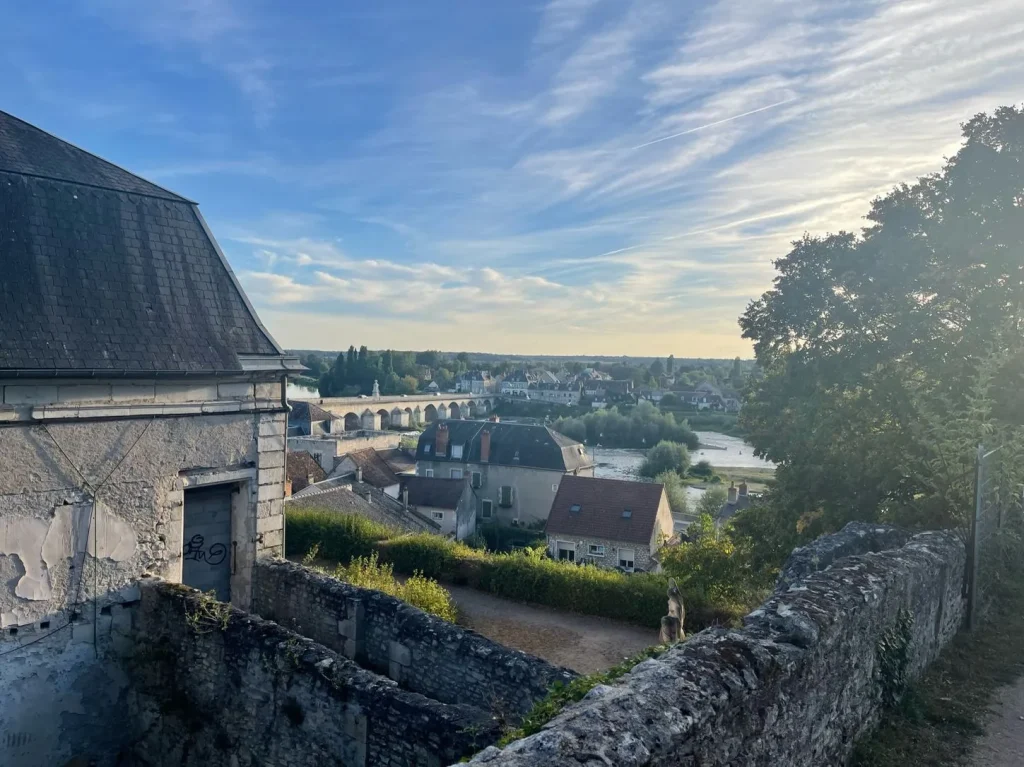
341, 537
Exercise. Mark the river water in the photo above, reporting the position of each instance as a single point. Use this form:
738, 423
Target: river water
298, 391
720, 450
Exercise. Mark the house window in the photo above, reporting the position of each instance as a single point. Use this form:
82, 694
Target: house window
437, 515
456, 451
566, 552
486, 508
595, 551
429, 472
505, 495
627, 513
477, 479
575, 509
626, 559
456, 473
426, 448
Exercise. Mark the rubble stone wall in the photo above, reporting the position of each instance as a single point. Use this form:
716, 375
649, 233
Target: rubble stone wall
419, 651
796, 685
222, 688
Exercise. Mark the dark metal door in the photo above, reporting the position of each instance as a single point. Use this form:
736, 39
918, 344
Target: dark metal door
207, 552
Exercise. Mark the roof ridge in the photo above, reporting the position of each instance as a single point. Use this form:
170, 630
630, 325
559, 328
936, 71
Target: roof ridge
174, 196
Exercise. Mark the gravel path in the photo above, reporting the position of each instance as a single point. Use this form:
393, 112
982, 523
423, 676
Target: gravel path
581, 642
1003, 742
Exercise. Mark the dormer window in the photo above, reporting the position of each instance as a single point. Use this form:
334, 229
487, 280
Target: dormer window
575, 509
456, 451
627, 513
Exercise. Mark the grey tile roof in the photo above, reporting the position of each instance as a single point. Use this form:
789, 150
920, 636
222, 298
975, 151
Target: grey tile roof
594, 508
343, 496
512, 444
435, 492
103, 270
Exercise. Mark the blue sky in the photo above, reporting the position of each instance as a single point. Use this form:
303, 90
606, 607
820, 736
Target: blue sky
570, 176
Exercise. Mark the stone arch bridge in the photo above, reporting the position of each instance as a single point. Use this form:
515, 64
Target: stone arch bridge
387, 411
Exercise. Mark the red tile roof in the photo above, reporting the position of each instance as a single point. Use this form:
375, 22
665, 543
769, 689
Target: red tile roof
588, 507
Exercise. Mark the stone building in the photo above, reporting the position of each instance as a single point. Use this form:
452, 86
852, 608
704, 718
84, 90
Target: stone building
611, 523
449, 502
514, 469
142, 429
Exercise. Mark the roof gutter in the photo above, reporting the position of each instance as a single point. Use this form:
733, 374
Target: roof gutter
110, 373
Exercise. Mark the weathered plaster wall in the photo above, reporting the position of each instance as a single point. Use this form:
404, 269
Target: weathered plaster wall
228, 688
421, 652
795, 686
92, 497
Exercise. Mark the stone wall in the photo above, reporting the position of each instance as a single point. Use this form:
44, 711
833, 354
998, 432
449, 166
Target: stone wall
222, 688
796, 685
421, 652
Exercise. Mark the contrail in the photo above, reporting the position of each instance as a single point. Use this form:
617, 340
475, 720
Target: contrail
711, 125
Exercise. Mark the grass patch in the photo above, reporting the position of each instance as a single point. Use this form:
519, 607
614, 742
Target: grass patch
943, 712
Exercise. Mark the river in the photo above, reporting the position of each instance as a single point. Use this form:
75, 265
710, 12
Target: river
298, 391
720, 450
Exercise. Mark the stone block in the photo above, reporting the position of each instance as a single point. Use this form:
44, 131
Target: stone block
179, 393
29, 395
274, 538
269, 509
127, 393
74, 393
271, 476
266, 524
268, 391
235, 391
271, 459
271, 428
221, 407
271, 492
268, 444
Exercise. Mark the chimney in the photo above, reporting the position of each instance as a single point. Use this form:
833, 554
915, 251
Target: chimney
441, 441
494, 418
359, 473
405, 498
732, 494
743, 489
485, 446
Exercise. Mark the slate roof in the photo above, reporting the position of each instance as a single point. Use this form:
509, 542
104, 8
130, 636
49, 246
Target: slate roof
434, 491
336, 495
376, 471
512, 444
105, 271
398, 459
300, 466
308, 412
601, 505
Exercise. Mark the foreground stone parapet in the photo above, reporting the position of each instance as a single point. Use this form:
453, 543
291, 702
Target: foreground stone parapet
419, 651
796, 685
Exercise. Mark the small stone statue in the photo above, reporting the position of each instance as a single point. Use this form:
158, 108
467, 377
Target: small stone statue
376, 389
672, 624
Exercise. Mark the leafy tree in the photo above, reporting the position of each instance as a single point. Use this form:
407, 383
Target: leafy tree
644, 426
670, 364
711, 501
665, 456
881, 352
407, 385
676, 492
316, 365
430, 359
713, 564
736, 374
702, 469
669, 400
657, 368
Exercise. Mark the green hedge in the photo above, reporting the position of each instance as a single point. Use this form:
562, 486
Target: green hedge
340, 537
521, 576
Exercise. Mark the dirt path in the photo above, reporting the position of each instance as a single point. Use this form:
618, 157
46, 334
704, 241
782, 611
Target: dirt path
581, 642
1002, 745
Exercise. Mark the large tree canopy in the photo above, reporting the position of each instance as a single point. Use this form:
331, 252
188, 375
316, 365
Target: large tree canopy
888, 355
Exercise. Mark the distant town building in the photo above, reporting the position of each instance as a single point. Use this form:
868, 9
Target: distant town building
516, 384
737, 500
474, 382
557, 394
513, 469
368, 466
611, 523
301, 470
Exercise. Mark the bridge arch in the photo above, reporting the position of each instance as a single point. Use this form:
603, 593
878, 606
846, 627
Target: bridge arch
454, 411
385, 418
473, 408
430, 413
352, 422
